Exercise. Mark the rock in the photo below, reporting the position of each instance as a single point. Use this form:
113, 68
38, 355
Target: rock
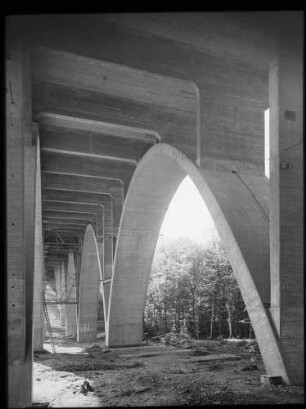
250, 368
85, 388
93, 348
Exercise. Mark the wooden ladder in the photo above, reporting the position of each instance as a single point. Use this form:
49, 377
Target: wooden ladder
48, 322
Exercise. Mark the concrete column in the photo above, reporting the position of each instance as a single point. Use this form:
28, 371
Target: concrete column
57, 277
90, 276
63, 309
21, 163
38, 313
71, 310
286, 206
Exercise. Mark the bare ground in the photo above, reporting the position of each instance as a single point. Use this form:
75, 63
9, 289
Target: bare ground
210, 373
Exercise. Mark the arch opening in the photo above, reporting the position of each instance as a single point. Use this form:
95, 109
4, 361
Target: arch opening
192, 289
241, 223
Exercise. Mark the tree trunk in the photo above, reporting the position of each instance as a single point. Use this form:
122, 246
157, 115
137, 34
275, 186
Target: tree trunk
229, 320
193, 314
197, 321
165, 316
212, 320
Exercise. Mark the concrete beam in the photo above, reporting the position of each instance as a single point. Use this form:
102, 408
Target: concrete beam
169, 123
89, 184
89, 143
105, 247
68, 215
63, 195
84, 166
55, 205
54, 225
58, 67
48, 120
68, 220
72, 231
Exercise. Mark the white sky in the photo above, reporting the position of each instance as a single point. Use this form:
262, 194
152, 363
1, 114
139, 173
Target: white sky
188, 215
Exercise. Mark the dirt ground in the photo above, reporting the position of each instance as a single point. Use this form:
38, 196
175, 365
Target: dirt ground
209, 373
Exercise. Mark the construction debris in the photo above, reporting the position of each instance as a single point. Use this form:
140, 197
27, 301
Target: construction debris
182, 340
86, 387
250, 368
93, 348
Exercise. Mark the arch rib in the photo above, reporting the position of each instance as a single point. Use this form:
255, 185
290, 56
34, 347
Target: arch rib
243, 230
90, 276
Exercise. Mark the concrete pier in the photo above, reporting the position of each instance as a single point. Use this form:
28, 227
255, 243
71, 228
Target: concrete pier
71, 309
287, 203
39, 265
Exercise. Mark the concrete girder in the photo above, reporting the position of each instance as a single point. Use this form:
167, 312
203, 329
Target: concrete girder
88, 142
90, 198
72, 231
77, 233
61, 99
48, 120
90, 276
69, 220
89, 184
106, 246
242, 226
54, 66
72, 225
101, 199
81, 207
84, 166
69, 215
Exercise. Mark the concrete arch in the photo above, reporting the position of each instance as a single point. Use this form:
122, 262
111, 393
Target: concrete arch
243, 225
90, 276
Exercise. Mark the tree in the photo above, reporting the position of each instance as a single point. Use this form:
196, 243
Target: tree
193, 287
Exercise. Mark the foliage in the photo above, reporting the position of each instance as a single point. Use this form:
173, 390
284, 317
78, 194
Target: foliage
193, 289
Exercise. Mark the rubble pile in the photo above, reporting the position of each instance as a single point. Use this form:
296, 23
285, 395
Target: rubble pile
252, 347
178, 340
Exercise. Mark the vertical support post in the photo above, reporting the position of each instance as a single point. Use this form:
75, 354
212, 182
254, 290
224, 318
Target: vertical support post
63, 310
71, 313
21, 164
38, 313
286, 202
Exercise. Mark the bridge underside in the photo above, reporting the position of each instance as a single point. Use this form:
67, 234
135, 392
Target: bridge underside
105, 115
